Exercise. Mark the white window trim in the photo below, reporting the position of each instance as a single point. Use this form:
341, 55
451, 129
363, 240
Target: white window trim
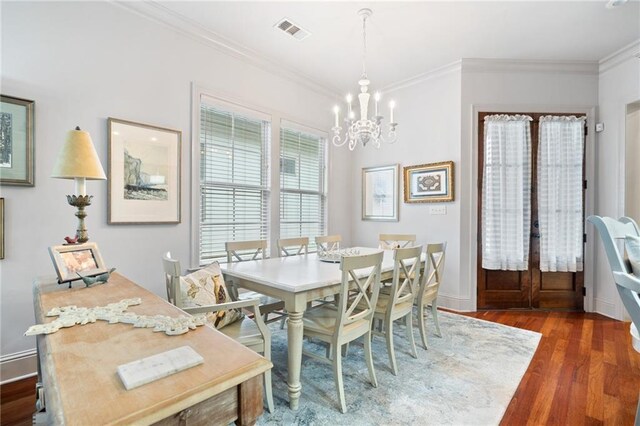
276, 117
292, 125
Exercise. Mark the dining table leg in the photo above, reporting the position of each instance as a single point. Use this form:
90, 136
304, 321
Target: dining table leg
294, 342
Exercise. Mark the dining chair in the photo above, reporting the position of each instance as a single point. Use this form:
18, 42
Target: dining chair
397, 300
351, 318
242, 251
429, 286
251, 332
612, 232
328, 243
287, 246
392, 241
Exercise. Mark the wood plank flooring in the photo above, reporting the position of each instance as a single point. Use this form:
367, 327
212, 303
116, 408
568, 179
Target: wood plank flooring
585, 372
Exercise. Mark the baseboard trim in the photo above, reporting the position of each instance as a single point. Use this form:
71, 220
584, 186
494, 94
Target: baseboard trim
605, 308
454, 303
18, 366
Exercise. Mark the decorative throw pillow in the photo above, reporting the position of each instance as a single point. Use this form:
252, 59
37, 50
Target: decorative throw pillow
632, 246
206, 287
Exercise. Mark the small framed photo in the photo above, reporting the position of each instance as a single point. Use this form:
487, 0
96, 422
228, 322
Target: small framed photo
16, 141
429, 183
144, 173
73, 258
380, 193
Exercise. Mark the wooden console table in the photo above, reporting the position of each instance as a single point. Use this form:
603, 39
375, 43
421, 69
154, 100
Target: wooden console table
77, 365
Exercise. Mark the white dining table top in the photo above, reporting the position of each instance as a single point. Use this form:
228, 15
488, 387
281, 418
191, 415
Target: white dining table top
298, 273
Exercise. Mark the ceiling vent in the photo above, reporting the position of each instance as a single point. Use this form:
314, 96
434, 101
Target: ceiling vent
294, 30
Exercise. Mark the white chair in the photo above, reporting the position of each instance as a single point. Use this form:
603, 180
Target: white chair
396, 302
393, 241
242, 251
252, 333
328, 243
429, 286
350, 319
612, 232
288, 246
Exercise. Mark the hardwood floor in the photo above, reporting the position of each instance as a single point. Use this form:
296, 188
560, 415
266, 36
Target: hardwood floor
585, 372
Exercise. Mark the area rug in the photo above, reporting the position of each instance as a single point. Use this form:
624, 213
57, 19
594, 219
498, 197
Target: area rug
467, 377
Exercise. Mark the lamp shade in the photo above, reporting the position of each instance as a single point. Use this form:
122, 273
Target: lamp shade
78, 158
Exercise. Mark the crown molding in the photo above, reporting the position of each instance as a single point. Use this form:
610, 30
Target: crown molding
629, 51
530, 66
425, 76
158, 13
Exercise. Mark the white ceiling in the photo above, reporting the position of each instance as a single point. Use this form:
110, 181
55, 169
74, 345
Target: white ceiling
409, 38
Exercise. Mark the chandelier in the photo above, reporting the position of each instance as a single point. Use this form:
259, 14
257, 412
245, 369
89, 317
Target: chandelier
365, 129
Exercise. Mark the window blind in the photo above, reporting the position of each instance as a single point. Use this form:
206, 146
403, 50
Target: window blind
302, 185
234, 180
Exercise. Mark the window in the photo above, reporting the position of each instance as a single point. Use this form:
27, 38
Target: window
234, 178
302, 184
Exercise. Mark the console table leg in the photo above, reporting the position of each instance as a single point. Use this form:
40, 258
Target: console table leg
249, 401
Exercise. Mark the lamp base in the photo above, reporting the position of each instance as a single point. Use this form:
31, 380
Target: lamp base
80, 201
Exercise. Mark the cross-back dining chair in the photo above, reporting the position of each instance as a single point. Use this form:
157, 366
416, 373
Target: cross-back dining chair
429, 287
396, 302
251, 332
242, 251
350, 319
293, 246
328, 243
612, 233
393, 241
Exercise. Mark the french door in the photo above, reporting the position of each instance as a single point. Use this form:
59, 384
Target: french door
530, 288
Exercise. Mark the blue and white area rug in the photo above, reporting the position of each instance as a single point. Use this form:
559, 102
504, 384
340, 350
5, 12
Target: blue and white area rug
467, 377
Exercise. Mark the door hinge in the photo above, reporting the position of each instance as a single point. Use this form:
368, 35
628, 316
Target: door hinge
584, 291
584, 184
584, 238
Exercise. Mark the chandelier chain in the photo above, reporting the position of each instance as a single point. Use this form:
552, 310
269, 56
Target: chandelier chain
364, 46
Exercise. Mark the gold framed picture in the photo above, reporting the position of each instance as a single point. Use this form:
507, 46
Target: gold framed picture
429, 183
144, 173
74, 259
17, 154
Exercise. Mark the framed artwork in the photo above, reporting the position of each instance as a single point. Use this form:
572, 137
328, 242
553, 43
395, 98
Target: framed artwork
380, 193
1, 228
16, 141
144, 173
69, 260
429, 183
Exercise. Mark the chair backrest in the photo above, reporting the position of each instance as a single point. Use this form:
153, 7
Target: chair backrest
328, 243
357, 290
613, 232
172, 271
406, 276
288, 246
245, 250
393, 241
433, 269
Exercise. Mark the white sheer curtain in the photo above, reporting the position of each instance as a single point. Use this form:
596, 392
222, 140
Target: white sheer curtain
560, 159
506, 192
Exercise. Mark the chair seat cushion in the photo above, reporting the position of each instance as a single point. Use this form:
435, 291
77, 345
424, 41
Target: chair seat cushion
383, 302
632, 246
206, 287
244, 331
323, 320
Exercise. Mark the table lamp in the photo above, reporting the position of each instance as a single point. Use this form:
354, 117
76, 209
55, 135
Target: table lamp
78, 160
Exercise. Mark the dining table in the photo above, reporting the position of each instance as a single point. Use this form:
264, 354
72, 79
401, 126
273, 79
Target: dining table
298, 280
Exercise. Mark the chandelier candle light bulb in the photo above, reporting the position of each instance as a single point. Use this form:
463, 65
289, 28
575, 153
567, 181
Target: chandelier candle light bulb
365, 129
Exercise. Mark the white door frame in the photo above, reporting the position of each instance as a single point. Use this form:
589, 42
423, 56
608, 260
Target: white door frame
589, 253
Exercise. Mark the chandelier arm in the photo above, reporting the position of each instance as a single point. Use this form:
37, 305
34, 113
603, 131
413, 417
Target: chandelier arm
392, 136
336, 137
